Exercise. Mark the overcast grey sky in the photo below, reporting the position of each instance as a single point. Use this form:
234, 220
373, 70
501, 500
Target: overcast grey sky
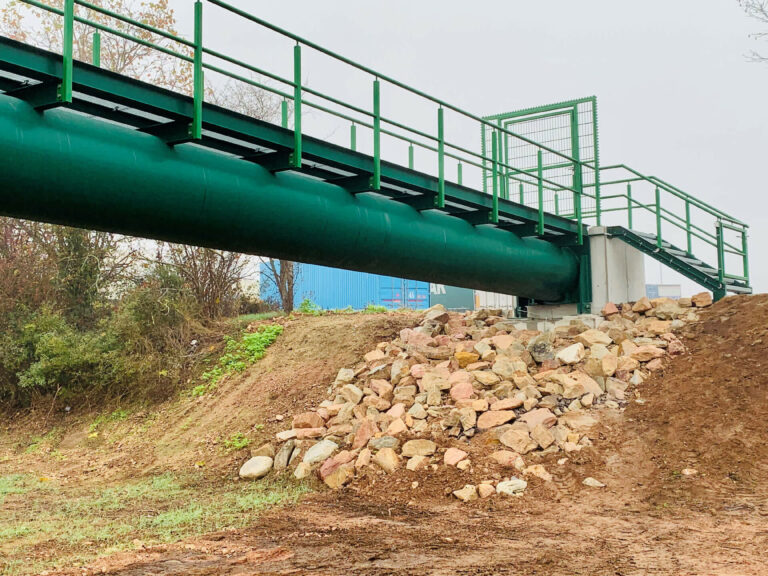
677, 97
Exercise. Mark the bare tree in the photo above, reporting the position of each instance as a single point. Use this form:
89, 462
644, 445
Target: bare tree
283, 275
757, 9
213, 276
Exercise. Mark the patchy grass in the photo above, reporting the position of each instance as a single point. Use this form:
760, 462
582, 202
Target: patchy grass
45, 524
237, 441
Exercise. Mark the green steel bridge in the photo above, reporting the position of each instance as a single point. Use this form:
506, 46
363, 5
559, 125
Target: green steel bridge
506, 212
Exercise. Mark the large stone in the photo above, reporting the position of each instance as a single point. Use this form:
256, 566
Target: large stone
485, 490
387, 459
417, 411
352, 394
462, 391
702, 300
519, 440
467, 418
507, 404
507, 459
508, 367
486, 377
591, 337
308, 420
417, 463
374, 355
572, 354
340, 476
320, 451
494, 418
382, 388
365, 431
539, 471
466, 358
539, 416
512, 487
453, 456
436, 313
302, 471
345, 376
642, 305
264, 450
542, 436
466, 494
609, 309
396, 427
304, 433
383, 442
283, 456
419, 447
256, 468
541, 348
647, 353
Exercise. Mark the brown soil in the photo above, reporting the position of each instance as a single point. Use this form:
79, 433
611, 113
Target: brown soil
707, 411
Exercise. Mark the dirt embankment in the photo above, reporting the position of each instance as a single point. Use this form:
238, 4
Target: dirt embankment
704, 412
177, 434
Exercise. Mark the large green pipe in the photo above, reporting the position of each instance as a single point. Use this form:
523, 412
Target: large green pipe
60, 166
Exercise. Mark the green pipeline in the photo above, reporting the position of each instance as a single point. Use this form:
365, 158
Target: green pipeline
63, 167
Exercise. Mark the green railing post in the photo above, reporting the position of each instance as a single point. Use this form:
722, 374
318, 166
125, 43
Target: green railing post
459, 174
495, 171
540, 176
658, 218
296, 156
284, 113
578, 179
720, 251
96, 39
199, 87
688, 225
376, 181
353, 137
629, 206
65, 90
410, 155
440, 158
522, 194
557, 204
744, 253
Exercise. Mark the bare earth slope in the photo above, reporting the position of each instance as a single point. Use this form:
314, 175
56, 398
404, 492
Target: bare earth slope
706, 411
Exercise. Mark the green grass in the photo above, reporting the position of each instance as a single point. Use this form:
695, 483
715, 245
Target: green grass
238, 355
237, 441
79, 524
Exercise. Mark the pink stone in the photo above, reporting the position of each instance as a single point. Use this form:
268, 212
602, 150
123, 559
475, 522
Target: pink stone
453, 456
365, 432
462, 391
609, 309
308, 420
397, 410
494, 418
417, 370
507, 404
539, 416
503, 341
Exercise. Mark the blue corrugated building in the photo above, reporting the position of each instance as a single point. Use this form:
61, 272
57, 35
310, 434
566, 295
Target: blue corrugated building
333, 288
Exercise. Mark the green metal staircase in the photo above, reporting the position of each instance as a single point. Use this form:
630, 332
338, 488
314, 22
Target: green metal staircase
681, 261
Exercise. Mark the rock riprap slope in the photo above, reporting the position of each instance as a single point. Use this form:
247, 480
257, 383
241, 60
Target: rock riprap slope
459, 388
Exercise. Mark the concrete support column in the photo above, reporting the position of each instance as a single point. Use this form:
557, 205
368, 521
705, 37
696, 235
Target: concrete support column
618, 270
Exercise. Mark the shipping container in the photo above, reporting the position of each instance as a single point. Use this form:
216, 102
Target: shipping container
457, 299
336, 289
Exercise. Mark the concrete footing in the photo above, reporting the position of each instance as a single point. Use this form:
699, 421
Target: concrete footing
618, 275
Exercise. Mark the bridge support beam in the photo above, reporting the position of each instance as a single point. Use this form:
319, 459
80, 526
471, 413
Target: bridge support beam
63, 167
618, 270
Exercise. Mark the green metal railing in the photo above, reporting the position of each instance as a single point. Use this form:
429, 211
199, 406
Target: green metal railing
204, 58
700, 221
589, 180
